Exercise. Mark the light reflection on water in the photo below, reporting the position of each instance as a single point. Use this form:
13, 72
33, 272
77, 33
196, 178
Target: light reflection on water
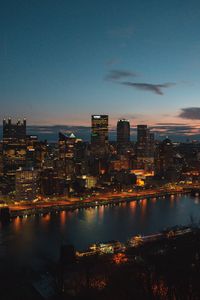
26, 238
17, 224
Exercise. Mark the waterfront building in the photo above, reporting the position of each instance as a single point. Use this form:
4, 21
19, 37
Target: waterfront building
26, 184
90, 181
51, 183
14, 149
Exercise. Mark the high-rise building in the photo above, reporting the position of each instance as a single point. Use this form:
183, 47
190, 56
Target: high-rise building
26, 184
165, 167
145, 148
123, 132
143, 141
14, 131
51, 183
69, 153
99, 134
151, 144
14, 149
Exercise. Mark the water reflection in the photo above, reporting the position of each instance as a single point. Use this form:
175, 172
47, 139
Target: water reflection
101, 212
81, 227
153, 200
46, 218
133, 205
63, 216
172, 202
17, 224
90, 214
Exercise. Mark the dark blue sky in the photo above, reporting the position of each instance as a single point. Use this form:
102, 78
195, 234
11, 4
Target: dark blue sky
61, 60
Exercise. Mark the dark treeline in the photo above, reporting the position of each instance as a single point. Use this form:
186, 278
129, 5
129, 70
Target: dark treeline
163, 270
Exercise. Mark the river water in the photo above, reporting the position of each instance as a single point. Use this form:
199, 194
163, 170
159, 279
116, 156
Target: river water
27, 241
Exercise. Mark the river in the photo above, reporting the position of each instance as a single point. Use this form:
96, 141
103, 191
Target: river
28, 241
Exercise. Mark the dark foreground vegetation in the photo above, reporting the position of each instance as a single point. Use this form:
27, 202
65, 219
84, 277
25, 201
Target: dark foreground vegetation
166, 269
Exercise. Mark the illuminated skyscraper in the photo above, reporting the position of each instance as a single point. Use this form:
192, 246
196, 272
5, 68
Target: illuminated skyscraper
26, 184
69, 153
14, 131
99, 134
14, 149
123, 132
66, 154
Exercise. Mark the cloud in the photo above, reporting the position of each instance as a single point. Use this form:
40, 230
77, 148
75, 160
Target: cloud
171, 124
155, 88
122, 32
190, 113
176, 132
119, 74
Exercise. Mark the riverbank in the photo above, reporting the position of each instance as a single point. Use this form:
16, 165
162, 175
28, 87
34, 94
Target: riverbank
56, 206
166, 268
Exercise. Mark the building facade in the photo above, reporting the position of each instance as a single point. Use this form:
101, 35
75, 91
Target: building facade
123, 132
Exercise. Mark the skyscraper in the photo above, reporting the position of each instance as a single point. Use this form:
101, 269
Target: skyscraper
145, 148
14, 131
99, 134
165, 167
123, 132
26, 184
143, 141
66, 154
14, 149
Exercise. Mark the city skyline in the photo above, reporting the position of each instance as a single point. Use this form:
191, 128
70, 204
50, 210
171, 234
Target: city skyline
138, 61
177, 132
99, 149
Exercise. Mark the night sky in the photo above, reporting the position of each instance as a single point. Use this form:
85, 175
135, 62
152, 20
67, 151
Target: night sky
61, 61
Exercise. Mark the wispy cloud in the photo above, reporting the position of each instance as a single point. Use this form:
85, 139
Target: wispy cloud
176, 131
190, 113
171, 124
155, 88
119, 74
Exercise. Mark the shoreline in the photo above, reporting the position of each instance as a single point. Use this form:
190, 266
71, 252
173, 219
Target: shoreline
56, 207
